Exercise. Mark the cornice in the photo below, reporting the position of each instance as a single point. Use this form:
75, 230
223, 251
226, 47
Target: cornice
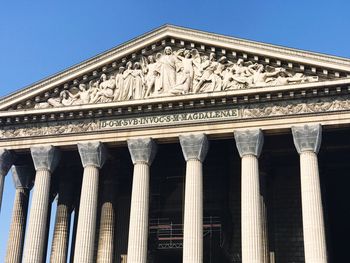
243, 44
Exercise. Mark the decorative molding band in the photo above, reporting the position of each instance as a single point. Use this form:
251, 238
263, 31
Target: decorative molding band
236, 114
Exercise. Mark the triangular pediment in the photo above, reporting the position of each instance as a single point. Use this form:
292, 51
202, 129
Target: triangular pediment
172, 61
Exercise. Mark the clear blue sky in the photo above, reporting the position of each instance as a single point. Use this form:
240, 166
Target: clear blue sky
40, 38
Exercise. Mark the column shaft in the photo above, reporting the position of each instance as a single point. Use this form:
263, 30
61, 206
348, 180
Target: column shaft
307, 141
84, 248
6, 161
194, 148
265, 237
105, 252
193, 217
106, 244
74, 233
2, 181
138, 227
18, 226
61, 234
252, 249
36, 233
313, 222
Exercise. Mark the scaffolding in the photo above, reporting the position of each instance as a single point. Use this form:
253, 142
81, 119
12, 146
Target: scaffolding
169, 235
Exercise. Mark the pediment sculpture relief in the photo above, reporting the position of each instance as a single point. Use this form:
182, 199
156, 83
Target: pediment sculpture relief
174, 73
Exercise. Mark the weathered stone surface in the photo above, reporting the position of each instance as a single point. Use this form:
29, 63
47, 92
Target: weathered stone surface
142, 150
23, 176
92, 154
249, 142
194, 146
307, 137
45, 157
6, 161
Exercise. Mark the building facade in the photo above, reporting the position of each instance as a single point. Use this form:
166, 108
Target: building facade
182, 146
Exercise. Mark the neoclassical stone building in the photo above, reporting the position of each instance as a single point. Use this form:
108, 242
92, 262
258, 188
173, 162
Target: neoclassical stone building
182, 146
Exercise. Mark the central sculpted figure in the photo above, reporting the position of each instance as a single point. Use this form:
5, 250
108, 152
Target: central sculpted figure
167, 70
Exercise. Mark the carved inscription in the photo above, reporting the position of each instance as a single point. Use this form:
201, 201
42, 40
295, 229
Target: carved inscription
169, 119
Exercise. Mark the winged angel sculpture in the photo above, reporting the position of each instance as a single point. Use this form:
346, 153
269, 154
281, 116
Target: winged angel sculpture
174, 73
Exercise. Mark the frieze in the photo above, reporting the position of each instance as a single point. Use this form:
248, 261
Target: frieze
51, 128
265, 110
170, 73
295, 107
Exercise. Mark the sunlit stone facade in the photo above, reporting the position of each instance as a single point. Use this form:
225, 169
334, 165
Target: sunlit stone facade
181, 146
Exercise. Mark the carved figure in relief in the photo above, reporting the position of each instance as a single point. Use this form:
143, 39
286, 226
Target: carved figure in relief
105, 91
93, 88
208, 68
232, 80
82, 96
261, 77
138, 81
119, 84
167, 72
152, 74
186, 74
196, 59
158, 81
288, 78
65, 99
128, 82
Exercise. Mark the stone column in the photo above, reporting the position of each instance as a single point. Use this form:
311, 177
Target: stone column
307, 140
106, 246
194, 148
45, 160
74, 230
249, 144
60, 239
263, 196
23, 177
142, 153
93, 155
6, 161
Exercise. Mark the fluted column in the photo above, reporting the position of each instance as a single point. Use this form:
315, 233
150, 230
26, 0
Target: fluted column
249, 144
194, 148
74, 230
93, 156
60, 239
6, 161
266, 253
23, 177
142, 153
45, 160
106, 246
307, 140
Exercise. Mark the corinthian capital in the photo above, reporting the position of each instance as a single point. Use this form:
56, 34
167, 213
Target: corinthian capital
92, 154
45, 157
194, 146
142, 150
23, 176
307, 138
249, 142
6, 161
